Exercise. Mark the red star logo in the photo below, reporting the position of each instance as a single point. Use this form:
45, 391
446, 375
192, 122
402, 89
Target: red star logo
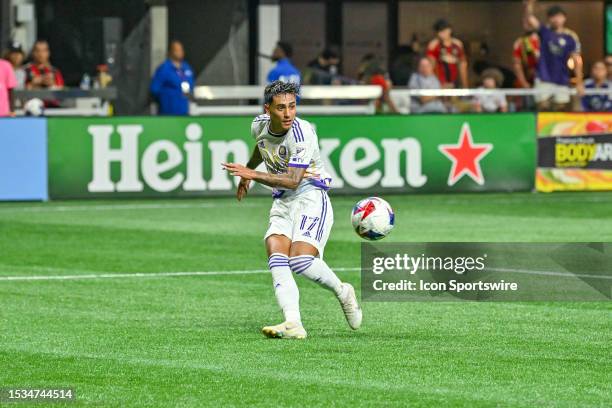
466, 156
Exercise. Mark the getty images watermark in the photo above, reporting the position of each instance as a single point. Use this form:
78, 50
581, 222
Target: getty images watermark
486, 271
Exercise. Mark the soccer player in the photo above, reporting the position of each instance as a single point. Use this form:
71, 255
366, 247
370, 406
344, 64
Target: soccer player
301, 216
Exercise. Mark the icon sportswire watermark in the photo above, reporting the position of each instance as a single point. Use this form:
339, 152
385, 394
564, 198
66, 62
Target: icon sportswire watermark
486, 271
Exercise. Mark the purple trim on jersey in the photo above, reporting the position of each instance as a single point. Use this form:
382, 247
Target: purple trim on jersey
297, 131
300, 131
323, 214
321, 183
277, 193
303, 222
301, 166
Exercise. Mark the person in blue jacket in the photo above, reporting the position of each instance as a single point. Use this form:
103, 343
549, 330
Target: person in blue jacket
173, 81
284, 69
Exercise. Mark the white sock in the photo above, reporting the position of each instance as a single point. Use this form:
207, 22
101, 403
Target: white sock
285, 289
317, 270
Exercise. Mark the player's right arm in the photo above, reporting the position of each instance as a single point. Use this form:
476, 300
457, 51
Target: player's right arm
290, 180
243, 185
529, 17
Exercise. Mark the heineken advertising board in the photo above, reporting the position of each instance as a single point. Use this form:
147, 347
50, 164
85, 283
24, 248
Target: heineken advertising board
157, 156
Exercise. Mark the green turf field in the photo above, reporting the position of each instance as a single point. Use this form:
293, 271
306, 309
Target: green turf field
195, 340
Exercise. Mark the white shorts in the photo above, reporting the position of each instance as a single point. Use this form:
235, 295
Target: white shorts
558, 93
306, 217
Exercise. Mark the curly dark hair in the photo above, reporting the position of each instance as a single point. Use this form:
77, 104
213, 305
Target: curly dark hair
278, 88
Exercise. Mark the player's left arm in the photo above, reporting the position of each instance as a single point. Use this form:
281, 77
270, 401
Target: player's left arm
290, 180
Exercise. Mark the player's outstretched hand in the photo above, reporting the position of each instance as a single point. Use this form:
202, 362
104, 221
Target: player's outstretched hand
243, 188
239, 170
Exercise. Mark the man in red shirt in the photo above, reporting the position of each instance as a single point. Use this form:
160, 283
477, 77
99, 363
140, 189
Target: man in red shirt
371, 72
40, 74
448, 56
525, 54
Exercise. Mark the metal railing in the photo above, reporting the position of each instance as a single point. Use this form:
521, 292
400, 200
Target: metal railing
330, 93
87, 102
498, 91
248, 100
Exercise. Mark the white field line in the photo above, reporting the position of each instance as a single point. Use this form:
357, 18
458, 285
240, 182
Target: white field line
247, 272
144, 275
109, 207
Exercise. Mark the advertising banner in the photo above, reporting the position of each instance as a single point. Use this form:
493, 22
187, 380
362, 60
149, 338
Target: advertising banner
155, 156
574, 152
23, 159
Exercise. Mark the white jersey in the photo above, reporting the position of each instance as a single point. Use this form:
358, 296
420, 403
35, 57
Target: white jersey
299, 147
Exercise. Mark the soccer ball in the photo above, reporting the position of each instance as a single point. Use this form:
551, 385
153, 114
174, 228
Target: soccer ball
34, 107
372, 218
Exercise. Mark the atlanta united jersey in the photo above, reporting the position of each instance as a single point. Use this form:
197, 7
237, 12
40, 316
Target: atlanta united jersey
298, 147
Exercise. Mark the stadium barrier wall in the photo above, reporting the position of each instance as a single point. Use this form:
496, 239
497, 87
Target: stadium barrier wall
174, 157
23, 159
574, 152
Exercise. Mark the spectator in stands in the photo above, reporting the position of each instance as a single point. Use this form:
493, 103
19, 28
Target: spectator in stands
284, 69
371, 72
15, 55
525, 54
598, 80
491, 79
173, 82
425, 78
323, 70
405, 63
558, 46
608, 61
448, 56
7, 84
40, 74
484, 61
